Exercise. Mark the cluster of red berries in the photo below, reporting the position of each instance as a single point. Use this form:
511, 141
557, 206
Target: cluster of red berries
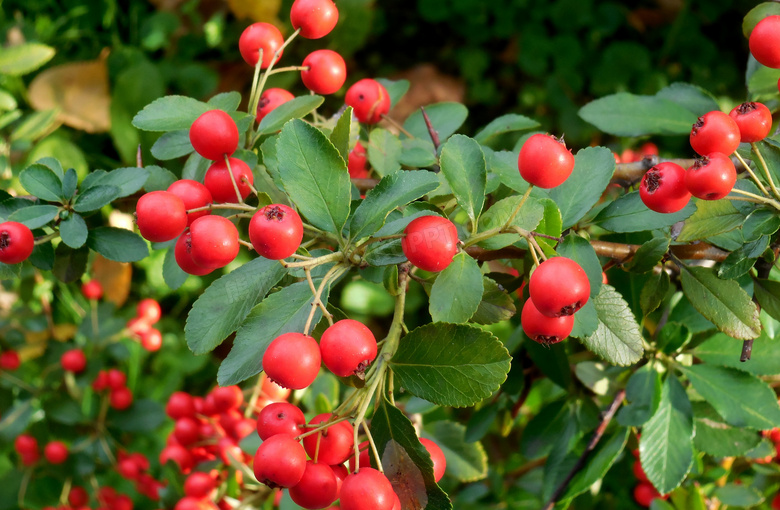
115, 382
648, 149
107, 498
16, 242
140, 327
134, 467
548, 316
26, 446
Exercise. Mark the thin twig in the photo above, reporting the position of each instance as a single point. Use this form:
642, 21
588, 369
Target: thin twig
434, 134
397, 125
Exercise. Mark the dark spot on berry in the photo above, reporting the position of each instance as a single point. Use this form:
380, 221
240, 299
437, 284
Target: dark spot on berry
280, 416
570, 309
547, 341
360, 371
361, 97
698, 125
746, 108
263, 102
4, 240
652, 180
274, 213
701, 162
269, 483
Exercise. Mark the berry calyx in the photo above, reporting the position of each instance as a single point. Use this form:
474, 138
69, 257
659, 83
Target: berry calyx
280, 461
315, 18
430, 242
663, 188
543, 329
437, 457
55, 452
271, 99
16, 242
715, 131
369, 100
161, 216
218, 182
348, 347
326, 71
544, 161
292, 360
214, 135
74, 361
194, 195
336, 442
549, 296
276, 231
711, 177
754, 121
259, 36
183, 254
92, 290
764, 41
280, 418
318, 487
214, 242
368, 489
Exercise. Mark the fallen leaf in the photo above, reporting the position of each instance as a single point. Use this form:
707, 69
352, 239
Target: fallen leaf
115, 278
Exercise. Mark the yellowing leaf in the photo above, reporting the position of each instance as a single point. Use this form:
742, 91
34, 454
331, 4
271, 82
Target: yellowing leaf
267, 10
114, 277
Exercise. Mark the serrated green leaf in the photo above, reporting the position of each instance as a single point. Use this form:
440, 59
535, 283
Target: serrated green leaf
716, 437
446, 118
127, 179
598, 463
457, 291
629, 214
384, 151
712, 217
295, 108
41, 181
170, 113
69, 183
172, 145
586, 321
466, 461
226, 303
649, 255
722, 302
695, 99
738, 495
767, 293
580, 251
226, 101
35, 216
761, 222
504, 165
173, 275
618, 338
643, 392
450, 364
508, 123
10, 271
527, 218
96, 197
625, 114
117, 244
24, 58
593, 168
342, 133
673, 336
654, 291
496, 305
721, 349
463, 165
740, 261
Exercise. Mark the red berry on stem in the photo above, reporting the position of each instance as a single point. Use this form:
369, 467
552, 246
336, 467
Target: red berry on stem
318, 487
120, 398
326, 71
27, 448
645, 493
369, 100
368, 489
715, 132
92, 290
78, 497
764, 41
180, 404
663, 188
544, 161
280, 418
259, 36
187, 431
315, 18
9, 360
115, 379
430, 242
280, 461
754, 121
271, 99
16, 242
292, 360
190, 503
74, 361
549, 296
219, 184
199, 485
183, 254
227, 397
711, 177
194, 195
276, 231
437, 457
214, 242
336, 441
348, 347
214, 135
543, 329
151, 340
56, 452
160, 216
178, 455
364, 459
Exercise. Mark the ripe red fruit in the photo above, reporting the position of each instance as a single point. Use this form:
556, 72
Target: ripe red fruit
16, 242
645, 493
56, 452
364, 459
368, 489
544, 161
776, 502
711, 177
271, 99
218, 181
190, 503
326, 71
199, 485
120, 398
183, 254
74, 361
129, 468
194, 195
179, 405
357, 162
78, 497
764, 41
543, 329
292, 360
259, 36
227, 397
336, 441
178, 455
187, 431
92, 290
160, 216
549, 296
369, 100
315, 18
214, 242
318, 487
348, 347
27, 448
151, 340
437, 456
715, 132
430, 242
276, 231
280, 418
639, 473
754, 121
214, 135
280, 461
273, 391
115, 379
9, 360
663, 188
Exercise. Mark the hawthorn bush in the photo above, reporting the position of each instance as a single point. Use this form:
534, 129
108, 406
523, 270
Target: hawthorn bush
363, 278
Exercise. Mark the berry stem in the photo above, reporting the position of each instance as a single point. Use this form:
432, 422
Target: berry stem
240, 207
255, 82
397, 125
756, 198
287, 69
23, 486
246, 182
332, 274
239, 199
369, 396
47, 238
331, 257
320, 304
519, 206
752, 175
371, 442
322, 426
15, 380
765, 168
246, 243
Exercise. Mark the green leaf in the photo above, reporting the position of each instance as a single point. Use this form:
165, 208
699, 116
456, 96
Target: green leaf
625, 114
342, 133
69, 264
742, 399
648, 255
41, 181
740, 261
7, 101
586, 321
417, 153
450, 364
35, 216
761, 222
395, 88
226, 101
712, 217
741, 496
69, 183
722, 302
446, 118
756, 14
282, 312
226, 303
405, 461
629, 214
466, 461
508, 123
768, 295
117, 244
24, 58
643, 392
296, 108
145, 415
457, 291
172, 145
384, 151
653, 292
496, 305
504, 165
128, 180
718, 438
10, 271
173, 275
721, 349
463, 165
96, 197
580, 251
618, 338
393, 191
666, 445
159, 178
527, 218
314, 175
593, 168
691, 97
35, 125
170, 113
598, 463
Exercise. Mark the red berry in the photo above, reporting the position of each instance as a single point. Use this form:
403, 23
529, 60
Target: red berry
552, 298
214, 241
160, 216
187, 431
543, 329
754, 121
183, 254
764, 41
122, 502
645, 493
199, 485
711, 177
545, 161
120, 398
648, 149
280, 418
437, 456
194, 195
369, 100
430, 242
663, 188
273, 391
357, 162
292, 360
218, 181
78, 497
715, 132
151, 340
639, 473
214, 135
190, 503
276, 231
129, 468
776, 502
336, 441
56, 452
92, 290
16, 242
364, 459
27, 448
326, 71
178, 455
115, 379
280, 461
227, 397
259, 36
318, 487
9, 360
74, 361
101, 381
315, 18
368, 489
348, 347
180, 404
270, 100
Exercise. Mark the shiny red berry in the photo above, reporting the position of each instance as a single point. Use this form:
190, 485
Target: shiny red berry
368, 489
92, 289
336, 442
149, 310
754, 121
280, 461
120, 398
711, 177
280, 418
259, 36
430, 242
194, 195
227, 397
315, 18
220, 185
326, 71
369, 100
180, 404
558, 287
186, 431
179, 455
78, 497
715, 132
764, 41
271, 99
16, 242
544, 161
357, 162
663, 188
74, 361
199, 485
276, 231
437, 457
214, 135
543, 329
318, 487
214, 241
183, 254
56, 452
292, 360
161, 216
9, 360
115, 379
348, 347
27, 448
645, 493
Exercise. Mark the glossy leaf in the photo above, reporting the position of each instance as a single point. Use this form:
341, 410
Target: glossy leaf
466, 461
768, 295
295, 108
718, 438
712, 217
761, 222
173, 275
170, 113
384, 151
35, 216
691, 97
740, 261
508, 123
172, 145
593, 168
128, 179
654, 291
527, 218
643, 393
117, 244
618, 338
495, 306
342, 133
738, 495
73, 231
648, 255
96, 197
463, 165
629, 214
625, 114
42, 182
598, 463
457, 291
